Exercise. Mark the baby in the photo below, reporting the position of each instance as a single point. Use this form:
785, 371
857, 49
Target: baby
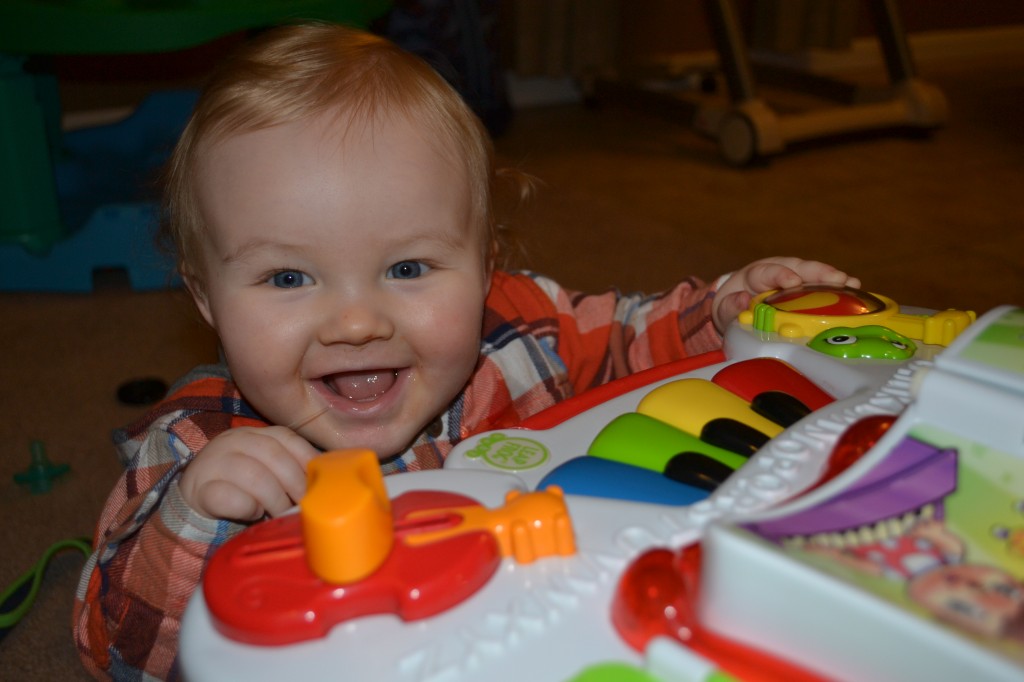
330, 203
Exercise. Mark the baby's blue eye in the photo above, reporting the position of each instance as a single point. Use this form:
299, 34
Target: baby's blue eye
407, 269
289, 279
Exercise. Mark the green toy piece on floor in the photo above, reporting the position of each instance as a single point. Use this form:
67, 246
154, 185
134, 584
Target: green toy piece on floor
41, 473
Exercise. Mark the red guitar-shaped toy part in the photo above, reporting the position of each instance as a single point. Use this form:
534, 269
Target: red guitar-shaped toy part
352, 552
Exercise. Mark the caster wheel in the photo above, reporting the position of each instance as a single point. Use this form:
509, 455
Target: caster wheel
737, 139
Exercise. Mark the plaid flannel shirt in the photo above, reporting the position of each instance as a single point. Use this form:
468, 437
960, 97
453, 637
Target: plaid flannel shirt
541, 344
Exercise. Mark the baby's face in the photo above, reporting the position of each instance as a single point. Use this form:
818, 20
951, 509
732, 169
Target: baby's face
345, 277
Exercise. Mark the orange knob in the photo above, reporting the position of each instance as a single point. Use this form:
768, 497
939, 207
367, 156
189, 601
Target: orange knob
346, 516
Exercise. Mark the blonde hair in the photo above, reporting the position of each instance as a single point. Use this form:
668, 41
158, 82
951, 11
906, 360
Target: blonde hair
295, 72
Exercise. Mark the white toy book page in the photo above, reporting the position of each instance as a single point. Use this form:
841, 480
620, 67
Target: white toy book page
919, 549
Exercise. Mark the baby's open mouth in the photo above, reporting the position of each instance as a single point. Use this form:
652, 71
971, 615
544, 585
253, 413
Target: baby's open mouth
362, 386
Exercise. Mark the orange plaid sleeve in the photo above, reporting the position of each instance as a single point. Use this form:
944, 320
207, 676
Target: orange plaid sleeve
150, 547
543, 344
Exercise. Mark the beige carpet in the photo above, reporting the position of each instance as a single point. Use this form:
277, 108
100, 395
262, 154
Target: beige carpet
627, 199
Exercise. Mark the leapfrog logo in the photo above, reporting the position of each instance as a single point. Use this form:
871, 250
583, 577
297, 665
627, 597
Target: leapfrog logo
511, 453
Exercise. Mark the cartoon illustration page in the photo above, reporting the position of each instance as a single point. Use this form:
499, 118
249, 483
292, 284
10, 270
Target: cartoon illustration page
936, 527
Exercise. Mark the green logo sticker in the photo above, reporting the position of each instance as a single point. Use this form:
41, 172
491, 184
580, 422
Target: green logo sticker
511, 453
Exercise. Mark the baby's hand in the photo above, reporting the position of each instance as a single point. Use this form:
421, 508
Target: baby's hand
734, 295
247, 472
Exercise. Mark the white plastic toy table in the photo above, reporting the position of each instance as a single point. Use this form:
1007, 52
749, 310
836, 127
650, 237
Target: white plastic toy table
550, 619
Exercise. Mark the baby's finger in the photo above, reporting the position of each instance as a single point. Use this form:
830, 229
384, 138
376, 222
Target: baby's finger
816, 272
284, 463
224, 500
729, 308
769, 276
268, 477
296, 445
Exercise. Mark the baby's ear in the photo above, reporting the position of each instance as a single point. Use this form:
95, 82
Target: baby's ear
199, 298
490, 265
493, 258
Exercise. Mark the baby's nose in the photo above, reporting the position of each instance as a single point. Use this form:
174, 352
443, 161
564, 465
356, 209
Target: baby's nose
356, 322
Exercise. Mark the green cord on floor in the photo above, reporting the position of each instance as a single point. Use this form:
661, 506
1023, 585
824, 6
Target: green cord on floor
17, 599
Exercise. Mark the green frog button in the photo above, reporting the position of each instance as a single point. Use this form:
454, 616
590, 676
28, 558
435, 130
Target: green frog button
871, 341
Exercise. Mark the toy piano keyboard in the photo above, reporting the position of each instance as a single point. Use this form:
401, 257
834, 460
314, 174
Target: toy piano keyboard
504, 565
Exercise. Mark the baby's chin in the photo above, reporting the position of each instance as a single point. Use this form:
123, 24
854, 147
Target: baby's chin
385, 449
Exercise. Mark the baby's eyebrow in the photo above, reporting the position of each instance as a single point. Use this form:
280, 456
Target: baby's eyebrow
445, 240
249, 248
447, 237
450, 237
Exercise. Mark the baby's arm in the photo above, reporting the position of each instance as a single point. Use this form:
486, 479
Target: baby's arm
736, 292
152, 542
247, 472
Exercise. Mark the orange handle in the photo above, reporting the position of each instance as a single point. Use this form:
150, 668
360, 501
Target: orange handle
346, 516
530, 526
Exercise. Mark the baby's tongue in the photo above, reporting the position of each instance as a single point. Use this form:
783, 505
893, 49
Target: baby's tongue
361, 386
